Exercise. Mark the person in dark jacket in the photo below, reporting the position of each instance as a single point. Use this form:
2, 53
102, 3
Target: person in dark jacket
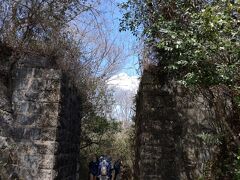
117, 168
93, 168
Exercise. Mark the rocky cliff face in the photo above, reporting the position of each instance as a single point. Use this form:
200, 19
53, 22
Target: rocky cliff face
169, 124
40, 115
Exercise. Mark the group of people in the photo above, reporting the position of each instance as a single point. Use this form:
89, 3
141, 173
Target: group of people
102, 168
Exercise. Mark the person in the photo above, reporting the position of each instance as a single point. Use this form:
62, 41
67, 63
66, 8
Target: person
105, 167
117, 168
93, 168
110, 167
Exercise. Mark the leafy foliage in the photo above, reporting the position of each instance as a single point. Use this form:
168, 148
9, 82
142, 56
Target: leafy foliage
210, 139
98, 134
26, 23
237, 166
84, 52
98, 131
198, 40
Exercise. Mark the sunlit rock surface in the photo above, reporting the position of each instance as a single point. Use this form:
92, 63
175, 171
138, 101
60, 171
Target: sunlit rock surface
40, 115
169, 125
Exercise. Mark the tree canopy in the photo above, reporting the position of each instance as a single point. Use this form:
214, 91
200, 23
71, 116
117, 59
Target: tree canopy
199, 40
198, 44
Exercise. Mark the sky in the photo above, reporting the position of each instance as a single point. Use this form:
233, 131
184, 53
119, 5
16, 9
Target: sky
125, 88
113, 14
128, 76
125, 83
108, 16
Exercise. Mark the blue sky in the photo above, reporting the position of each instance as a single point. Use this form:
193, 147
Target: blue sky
125, 83
105, 20
126, 80
112, 14
108, 15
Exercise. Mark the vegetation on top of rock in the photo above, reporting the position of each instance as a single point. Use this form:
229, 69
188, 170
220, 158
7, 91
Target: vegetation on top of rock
197, 42
58, 30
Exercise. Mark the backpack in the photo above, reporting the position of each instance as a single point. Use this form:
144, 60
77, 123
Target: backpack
104, 170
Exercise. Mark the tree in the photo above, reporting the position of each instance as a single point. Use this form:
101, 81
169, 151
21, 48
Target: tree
123, 106
208, 30
26, 22
197, 43
60, 30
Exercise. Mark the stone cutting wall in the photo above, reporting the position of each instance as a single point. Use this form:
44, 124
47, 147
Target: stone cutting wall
40, 117
169, 123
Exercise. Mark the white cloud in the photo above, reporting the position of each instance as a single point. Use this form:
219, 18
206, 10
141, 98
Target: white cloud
125, 87
124, 82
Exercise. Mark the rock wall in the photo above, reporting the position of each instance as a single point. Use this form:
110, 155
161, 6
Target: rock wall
40, 115
169, 124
